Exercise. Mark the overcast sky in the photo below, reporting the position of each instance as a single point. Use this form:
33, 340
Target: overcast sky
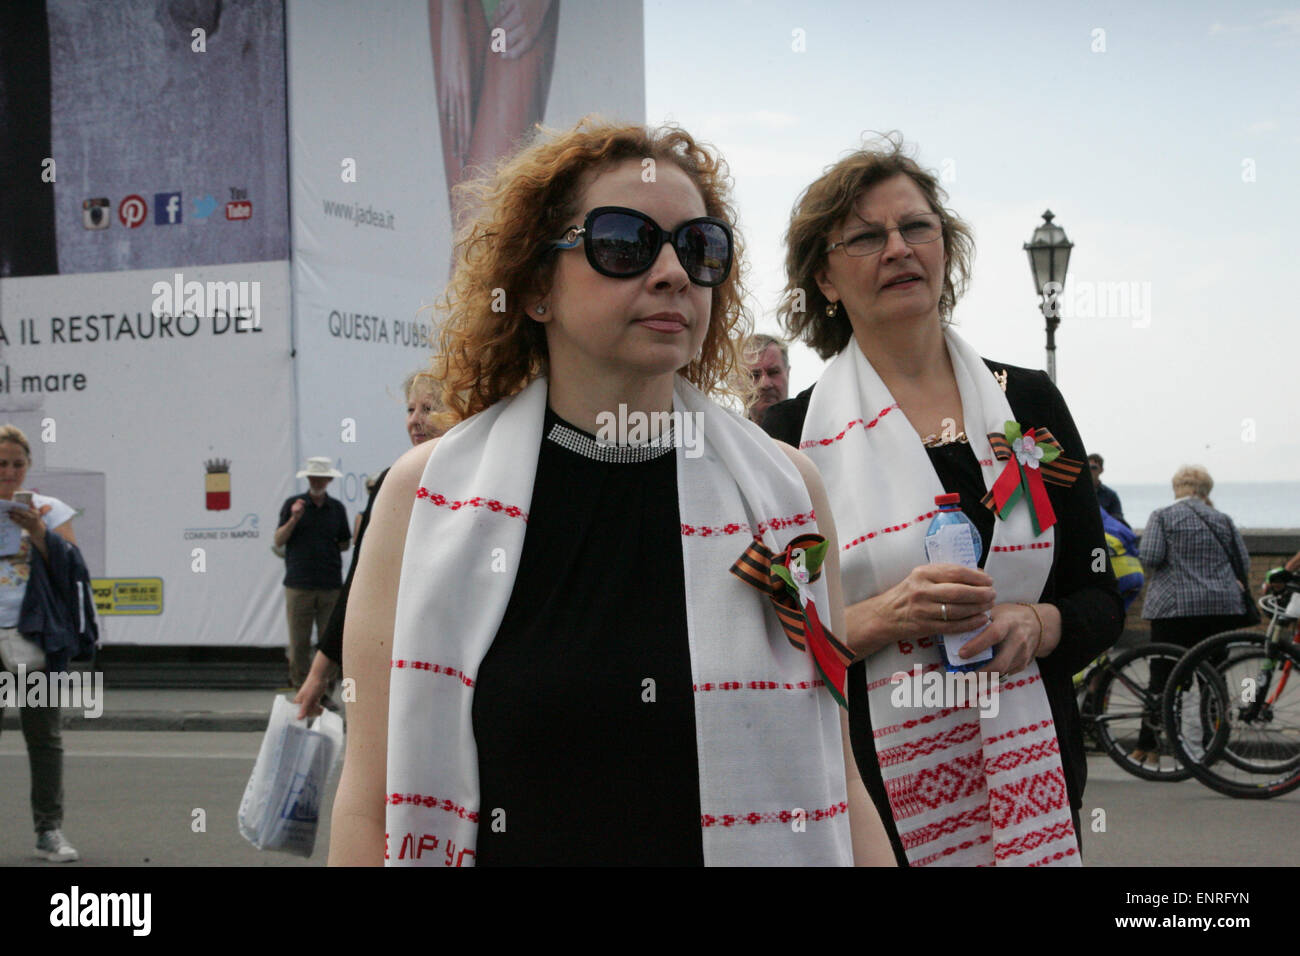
1165, 138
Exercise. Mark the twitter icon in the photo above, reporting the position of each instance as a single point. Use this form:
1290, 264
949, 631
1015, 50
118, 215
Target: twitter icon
204, 207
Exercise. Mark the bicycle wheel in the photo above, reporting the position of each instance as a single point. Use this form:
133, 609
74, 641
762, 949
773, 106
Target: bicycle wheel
1264, 718
1239, 733
1125, 713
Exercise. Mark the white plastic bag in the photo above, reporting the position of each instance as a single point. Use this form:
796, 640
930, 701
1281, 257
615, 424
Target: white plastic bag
281, 805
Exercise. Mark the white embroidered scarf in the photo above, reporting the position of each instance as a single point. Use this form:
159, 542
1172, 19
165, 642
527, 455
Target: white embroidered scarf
768, 739
965, 790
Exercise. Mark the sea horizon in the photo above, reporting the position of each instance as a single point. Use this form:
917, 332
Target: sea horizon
1250, 504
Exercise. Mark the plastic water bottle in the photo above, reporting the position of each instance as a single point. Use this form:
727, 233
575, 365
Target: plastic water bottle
952, 538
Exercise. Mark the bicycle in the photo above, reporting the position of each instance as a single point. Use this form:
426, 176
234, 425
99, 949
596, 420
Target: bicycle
1239, 732
1122, 713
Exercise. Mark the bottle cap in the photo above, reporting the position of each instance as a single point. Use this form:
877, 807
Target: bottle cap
953, 499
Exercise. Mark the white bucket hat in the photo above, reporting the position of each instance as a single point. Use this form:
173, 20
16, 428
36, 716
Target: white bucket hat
320, 468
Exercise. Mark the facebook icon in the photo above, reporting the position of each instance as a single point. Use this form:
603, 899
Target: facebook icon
166, 209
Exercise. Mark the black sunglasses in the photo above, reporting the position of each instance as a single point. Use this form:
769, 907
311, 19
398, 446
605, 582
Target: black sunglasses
622, 243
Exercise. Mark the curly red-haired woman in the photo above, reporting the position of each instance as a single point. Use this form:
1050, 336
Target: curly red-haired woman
569, 672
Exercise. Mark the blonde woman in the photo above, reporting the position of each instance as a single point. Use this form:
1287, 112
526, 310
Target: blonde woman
1194, 558
38, 560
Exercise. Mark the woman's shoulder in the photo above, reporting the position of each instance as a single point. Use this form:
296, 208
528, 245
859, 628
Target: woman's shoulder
406, 473
1031, 385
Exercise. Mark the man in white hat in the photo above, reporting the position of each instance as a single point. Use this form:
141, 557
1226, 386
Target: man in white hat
313, 532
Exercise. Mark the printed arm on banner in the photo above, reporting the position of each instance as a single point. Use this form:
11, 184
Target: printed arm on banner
870, 841
357, 825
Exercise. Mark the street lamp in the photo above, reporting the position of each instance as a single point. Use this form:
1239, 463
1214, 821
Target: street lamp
1049, 257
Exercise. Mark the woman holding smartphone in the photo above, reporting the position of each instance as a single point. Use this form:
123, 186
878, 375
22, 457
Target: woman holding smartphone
42, 518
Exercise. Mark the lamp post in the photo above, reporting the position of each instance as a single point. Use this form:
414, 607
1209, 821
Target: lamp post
1049, 257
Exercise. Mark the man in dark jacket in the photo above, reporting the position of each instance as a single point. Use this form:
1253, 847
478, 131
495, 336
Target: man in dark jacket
1106, 497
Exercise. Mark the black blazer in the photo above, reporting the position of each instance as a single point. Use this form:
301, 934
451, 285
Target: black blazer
1092, 611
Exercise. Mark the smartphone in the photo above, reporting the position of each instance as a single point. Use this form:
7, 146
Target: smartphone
23, 498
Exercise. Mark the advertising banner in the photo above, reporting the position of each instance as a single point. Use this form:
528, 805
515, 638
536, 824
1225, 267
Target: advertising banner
170, 368
391, 104
145, 345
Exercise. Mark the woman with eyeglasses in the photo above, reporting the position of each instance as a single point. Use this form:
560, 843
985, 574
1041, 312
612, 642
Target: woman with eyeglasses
907, 411
570, 671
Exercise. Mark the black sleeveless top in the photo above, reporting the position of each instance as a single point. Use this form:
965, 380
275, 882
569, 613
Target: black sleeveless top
584, 714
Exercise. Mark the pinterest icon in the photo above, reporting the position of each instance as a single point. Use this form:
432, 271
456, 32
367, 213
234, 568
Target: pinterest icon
132, 211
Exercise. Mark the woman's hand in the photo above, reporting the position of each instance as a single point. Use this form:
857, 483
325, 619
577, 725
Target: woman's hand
1014, 630
309, 696
522, 21
933, 599
31, 521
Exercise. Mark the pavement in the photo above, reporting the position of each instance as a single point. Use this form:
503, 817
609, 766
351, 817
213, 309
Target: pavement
135, 709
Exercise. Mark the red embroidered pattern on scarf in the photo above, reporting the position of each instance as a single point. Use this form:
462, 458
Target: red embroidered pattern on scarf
434, 669
490, 503
892, 528
1040, 750
937, 786
1014, 803
909, 724
1036, 838
927, 668
1059, 855
431, 803
952, 737
757, 685
1021, 731
1018, 684
783, 816
1036, 546
949, 851
847, 428
933, 831
885, 681
741, 527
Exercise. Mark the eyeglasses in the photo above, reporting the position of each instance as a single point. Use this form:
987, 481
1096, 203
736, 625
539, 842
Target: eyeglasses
917, 230
622, 243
